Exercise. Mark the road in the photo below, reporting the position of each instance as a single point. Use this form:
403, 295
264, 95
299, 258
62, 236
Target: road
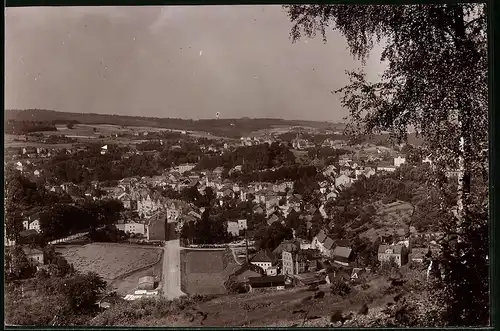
172, 269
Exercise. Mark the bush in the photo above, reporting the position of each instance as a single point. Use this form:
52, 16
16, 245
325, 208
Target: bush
340, 288
336, 316
363, 310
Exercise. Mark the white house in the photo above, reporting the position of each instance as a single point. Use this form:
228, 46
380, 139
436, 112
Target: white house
343, 180
32, 225
427, 160
398, 161
233, 228
323, 243
134, 227
263, 259
386, 168
242, 224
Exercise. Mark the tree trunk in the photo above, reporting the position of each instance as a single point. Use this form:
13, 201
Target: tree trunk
464, 120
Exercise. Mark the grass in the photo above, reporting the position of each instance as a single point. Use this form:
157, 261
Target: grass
109, 261
205, 271
391, 217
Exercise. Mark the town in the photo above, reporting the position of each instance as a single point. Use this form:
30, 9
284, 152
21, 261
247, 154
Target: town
319, 165
279, 207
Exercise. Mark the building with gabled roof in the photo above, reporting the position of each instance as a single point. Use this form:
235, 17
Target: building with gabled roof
263, 259
397, 252
342, 255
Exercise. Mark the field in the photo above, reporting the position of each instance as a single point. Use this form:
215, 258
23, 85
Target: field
205, 271
390, 218
276, 308
108, 260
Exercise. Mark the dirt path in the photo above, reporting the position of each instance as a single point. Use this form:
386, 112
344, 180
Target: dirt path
171, 270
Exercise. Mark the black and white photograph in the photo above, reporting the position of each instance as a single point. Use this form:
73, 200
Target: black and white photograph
247, 166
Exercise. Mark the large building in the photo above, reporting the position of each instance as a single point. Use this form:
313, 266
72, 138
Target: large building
293, 262
398, 253
263, 259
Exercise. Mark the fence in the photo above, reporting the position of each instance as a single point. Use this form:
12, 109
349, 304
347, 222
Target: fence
72, 237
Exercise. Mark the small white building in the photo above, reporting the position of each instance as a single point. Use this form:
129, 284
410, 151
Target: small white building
233, 228
263, 259
136, 228
398, 161
242, 224
32, 224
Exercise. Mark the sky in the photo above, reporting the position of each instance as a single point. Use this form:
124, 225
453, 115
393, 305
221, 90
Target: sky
177, 62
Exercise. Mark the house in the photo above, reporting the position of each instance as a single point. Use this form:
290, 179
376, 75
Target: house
246, 271
386, 167
323, 243
308, 279
32, 223
318, 239
329, 171
146, 283
8, 242
134, 227
233, 228
184, 167
342, 255
218, 171
396, 252
156, 227
294, 262
327, 247
343, 181
263, 259
398, 161
258, 210
277, 282
242, 224
126, 200
34, 255
418, 254
427, 159
357, 273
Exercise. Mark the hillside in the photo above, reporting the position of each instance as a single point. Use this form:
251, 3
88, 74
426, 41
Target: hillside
220, 127
273, 308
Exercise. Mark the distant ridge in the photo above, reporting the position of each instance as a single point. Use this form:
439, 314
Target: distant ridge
219, 127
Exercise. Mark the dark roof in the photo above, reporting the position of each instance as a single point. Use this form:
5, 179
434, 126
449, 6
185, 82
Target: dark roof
397, 248
157, 218
321, 236
27, 233
263, 256
342, 242
419, 252
328, 243
267, 280
248, 266
343, 252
